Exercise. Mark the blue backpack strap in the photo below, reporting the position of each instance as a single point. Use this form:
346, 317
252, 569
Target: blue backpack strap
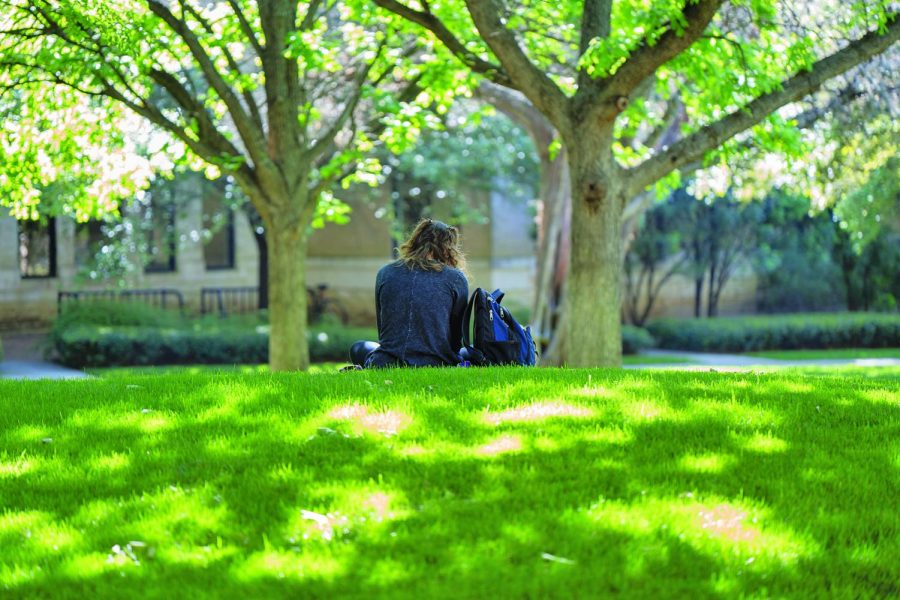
497, 295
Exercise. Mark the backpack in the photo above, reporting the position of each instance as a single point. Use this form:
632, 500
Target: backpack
498, 337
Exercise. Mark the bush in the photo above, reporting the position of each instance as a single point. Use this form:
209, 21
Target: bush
1, 350
635, 339
107, 312
203, 342
783, 332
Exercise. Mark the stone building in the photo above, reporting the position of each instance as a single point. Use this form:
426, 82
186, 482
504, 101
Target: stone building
39, 261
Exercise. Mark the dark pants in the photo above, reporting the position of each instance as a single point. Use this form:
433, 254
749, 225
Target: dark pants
360, 350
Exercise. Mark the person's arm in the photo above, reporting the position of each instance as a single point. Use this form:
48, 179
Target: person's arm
378, 303
461, 299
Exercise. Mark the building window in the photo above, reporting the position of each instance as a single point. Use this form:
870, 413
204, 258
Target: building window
158, 222
218, 224
89, 240
37, 249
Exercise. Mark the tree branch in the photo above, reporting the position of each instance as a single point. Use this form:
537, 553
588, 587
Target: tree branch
595, 23
429, 21
652, 54
695, 146
312, 13
246, 27
250, 135
207, 130
233, 65
525, 75
519, 109
350, 104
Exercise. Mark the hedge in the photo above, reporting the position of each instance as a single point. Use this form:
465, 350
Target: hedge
810, 331
100, 346
99, 334
635, 339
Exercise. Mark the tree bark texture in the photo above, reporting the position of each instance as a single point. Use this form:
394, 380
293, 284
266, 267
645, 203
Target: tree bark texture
593, 296
288, 348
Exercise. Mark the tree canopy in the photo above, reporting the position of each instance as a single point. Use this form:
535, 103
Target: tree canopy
285, 97
639, 91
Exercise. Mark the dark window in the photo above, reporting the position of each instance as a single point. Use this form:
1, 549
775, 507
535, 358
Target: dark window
89, 240
218, 221
158, 222
37, 249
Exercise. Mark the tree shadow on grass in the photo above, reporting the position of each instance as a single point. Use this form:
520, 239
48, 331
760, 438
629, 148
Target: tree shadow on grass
612, 502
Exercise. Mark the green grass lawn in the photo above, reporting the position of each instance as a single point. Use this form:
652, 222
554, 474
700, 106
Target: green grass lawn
477, 483
844, 353
315, 369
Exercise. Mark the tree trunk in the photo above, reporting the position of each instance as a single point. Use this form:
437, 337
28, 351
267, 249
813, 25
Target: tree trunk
258, 229
594, 286
288, 348
552, 251
712, 298
263, 273
698, 295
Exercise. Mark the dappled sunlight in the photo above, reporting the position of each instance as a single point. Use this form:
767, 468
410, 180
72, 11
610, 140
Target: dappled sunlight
612, 437
274, 486
728, 522
92, 564
140, 420
27, 434
537, 411
596, 392
352, 513
28, 535
795, 387
733, 412
882, 396
109, 463
501, 445
174, 525
725, 531
705, 463
293, 564
387, 422
18, 467
647, 410
762, 444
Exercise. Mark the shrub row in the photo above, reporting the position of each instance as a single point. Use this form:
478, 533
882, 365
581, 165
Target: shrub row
102, 333
100, 345
782, 332
635, 339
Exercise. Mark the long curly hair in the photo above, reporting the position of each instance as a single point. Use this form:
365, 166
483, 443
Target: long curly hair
432, 246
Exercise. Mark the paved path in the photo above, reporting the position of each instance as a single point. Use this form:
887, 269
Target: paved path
36, 369
705, 359
23, 353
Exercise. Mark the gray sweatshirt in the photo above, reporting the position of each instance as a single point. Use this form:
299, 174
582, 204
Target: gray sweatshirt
419, 315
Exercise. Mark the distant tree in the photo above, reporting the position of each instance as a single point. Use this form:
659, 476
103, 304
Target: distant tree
653, 257
716, 235
793, 260
470, 153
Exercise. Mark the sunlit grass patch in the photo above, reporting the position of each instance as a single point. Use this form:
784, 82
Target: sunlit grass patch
387, 422
451, 483
535, 412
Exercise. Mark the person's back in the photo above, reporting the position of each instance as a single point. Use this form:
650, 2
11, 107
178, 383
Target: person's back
420, 301
419, 315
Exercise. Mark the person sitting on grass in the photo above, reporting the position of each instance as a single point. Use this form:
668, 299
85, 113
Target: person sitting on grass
420, 300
